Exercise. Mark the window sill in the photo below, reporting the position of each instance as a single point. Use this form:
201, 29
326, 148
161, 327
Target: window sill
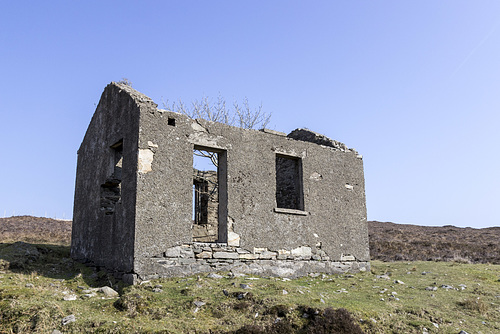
291, 211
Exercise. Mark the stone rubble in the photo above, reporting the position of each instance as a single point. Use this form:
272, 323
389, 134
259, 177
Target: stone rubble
108, 292
68, 319
69, 297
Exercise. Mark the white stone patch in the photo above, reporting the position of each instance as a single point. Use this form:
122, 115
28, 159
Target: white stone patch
249, 256
315, 235
283, 252
347, 257
145, 160
302, 251
359, 156
349, 187
316, 176
233, 239
70, 297
151, 144
197, 127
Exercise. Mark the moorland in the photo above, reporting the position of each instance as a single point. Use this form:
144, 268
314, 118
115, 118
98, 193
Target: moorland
423, 280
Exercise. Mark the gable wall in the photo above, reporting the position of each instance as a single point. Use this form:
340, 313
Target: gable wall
99, 238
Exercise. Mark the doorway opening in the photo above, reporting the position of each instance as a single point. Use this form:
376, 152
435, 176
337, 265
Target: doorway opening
209, 212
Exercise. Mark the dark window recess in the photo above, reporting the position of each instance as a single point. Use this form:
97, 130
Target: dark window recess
171, 121
111, 189
289, 193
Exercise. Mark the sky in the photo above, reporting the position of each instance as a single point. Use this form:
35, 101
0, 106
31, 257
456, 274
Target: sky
413, 86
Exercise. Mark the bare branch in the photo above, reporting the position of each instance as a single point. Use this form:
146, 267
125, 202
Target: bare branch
211, 155
242, 116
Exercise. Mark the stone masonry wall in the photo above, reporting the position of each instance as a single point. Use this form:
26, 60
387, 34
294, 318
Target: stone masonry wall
143, 228
193, 258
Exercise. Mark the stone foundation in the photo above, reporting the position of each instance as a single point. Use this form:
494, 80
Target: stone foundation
195, 258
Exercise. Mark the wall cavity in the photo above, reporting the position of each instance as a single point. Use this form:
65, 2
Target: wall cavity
111, 188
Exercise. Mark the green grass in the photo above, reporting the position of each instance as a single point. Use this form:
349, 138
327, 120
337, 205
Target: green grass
40, 308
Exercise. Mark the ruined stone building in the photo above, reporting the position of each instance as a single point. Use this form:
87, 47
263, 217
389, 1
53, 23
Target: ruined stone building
266, 203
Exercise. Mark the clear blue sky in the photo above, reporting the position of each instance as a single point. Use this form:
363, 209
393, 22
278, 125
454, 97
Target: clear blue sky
414, 86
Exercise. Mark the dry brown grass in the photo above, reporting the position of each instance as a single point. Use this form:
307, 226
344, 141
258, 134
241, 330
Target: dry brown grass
399, 242
388, 241
35, 230
475, 305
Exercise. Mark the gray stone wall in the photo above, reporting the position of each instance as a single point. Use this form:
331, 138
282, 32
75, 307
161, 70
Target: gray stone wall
157, 181
103, 231
195, 258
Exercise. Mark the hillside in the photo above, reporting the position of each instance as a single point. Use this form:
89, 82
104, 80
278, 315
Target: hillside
388, 241
35, 230
399, 242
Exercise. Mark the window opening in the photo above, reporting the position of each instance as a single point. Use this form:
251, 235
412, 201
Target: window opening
111, 188
289, 192
209, 196
171, 121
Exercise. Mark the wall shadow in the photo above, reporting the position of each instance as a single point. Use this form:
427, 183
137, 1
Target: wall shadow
47, 260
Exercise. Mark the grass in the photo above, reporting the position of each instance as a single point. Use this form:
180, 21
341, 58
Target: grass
32, 292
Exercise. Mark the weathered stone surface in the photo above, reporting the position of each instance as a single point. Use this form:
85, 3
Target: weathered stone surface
274, 132
233, 239
249, 256
186, 251
225, 255
317, 138
68, 319
204, 255
266, 255
134, 200
173, 252
347, 257
145, 161
184, 261
302, 251
70, 297
214, 275
108, 292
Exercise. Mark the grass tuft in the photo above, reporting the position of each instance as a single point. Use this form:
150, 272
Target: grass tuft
475, 305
